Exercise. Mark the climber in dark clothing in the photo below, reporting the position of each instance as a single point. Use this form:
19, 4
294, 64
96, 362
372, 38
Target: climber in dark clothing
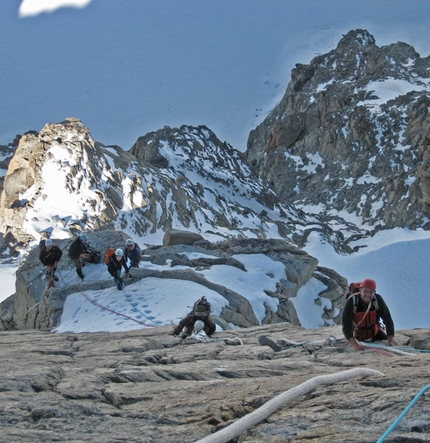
201, 311
116, 263
50, 255
132, 253
78, 252
361, 317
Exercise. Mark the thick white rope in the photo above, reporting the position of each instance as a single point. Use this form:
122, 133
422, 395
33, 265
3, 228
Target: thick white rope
281, 400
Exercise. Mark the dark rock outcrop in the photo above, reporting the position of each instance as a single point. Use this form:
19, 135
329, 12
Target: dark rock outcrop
337, 142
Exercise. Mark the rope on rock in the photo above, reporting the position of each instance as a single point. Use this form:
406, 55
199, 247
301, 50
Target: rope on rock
281, 400
391, 349
407, 409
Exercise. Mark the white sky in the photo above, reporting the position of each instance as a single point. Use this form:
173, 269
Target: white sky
128, 68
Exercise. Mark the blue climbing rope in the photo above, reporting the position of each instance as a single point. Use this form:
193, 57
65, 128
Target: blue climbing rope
396, 422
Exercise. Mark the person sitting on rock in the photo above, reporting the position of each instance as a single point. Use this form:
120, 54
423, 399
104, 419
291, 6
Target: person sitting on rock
362, 314
132, 253
201, 311
78, 252
116, 263
50, 255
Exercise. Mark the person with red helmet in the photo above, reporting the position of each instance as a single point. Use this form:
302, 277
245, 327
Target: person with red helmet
362, 314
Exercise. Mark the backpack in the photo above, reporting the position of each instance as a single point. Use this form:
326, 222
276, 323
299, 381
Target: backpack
202, 308
94, 257
108, 254
353, 288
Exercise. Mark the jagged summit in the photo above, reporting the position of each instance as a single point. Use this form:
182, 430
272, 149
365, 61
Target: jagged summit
359, 37
182, 178
345, 147
350, 137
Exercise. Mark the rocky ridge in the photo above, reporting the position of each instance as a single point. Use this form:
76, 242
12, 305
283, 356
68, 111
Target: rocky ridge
146, 386
335, 142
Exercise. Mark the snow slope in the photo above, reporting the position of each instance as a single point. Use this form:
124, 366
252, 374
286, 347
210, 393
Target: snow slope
399, 268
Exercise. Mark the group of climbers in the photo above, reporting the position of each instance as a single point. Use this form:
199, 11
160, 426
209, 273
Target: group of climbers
80, 253
365, 316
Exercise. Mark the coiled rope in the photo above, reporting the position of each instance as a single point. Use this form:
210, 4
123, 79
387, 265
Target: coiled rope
407, 409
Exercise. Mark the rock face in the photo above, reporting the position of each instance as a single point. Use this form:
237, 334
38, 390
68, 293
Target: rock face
35, 307
331, 147
336, 142
145, 386
202, 185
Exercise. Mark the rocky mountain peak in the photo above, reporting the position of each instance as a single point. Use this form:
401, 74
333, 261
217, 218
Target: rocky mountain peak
344, 154
355, 39
350, 134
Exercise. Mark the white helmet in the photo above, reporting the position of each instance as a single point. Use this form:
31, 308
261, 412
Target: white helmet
48, 242
129, 242
198, 326
119, 253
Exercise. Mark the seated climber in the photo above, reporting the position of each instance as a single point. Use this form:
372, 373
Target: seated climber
116, 263
201, 311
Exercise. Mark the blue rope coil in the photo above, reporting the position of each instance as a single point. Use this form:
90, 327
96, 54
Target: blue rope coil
396, 422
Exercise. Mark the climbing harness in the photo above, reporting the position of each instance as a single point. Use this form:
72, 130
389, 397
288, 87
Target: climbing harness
406, 410
360, 317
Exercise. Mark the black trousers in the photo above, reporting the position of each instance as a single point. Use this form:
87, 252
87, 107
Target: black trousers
189, 321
